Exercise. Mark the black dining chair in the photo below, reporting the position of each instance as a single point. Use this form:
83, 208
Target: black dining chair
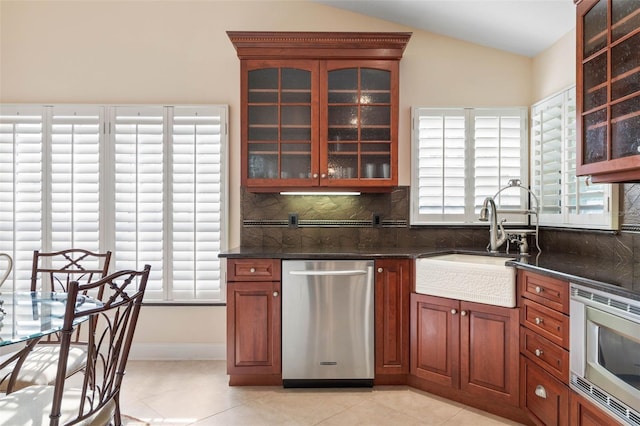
54, 271
94, 399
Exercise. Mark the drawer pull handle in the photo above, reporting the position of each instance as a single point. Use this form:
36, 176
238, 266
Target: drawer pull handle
539, 289
252, 270
541, 392
539, 320
380, 269
453, 312
539, 352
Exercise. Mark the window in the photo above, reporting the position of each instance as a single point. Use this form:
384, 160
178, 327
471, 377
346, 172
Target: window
147, 182
565, 200
460, 157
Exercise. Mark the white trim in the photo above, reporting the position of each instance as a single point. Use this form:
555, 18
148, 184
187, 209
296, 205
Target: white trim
178, 351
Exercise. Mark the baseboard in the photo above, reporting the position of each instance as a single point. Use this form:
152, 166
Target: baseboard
178, 351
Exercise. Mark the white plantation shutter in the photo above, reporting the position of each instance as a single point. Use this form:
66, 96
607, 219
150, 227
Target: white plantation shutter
500, 155
460, 157
441, 162
565, 199
146, 182
138, 143
197, 204
74, 183
22, 134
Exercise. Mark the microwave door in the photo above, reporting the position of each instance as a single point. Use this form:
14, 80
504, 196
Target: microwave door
613, 355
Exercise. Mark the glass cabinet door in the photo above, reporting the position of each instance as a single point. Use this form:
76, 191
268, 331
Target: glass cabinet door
609, 42
281, 109
358, 125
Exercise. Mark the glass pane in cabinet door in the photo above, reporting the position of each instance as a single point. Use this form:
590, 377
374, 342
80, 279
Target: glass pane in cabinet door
625, 128
625, 17
625, 67
595, 137
373, 79
375, 86
595, 29
375, 166
296, 86
595, 82
295, 166
343, 165
375, 115
266, 78
296, 160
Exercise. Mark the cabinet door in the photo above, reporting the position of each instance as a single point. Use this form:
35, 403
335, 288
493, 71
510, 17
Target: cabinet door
393, 286
253, 328
279, 123
585, 413
608, 81
358, 123
435, 339
489, 351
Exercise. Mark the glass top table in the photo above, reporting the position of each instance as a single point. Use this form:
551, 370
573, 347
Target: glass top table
25, 316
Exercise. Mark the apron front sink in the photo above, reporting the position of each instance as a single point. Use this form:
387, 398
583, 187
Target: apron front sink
474, 278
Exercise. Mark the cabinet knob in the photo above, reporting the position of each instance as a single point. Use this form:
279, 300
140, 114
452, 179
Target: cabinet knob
463, 313
541, 392
275, 294
539, 352
323, 176
380, 269
539, 320
315, 176
252, 270
453, 312
539, 289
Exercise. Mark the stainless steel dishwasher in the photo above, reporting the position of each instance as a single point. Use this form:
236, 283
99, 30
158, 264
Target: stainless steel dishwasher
327, 323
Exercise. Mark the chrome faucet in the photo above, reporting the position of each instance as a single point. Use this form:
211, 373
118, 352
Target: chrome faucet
497, 236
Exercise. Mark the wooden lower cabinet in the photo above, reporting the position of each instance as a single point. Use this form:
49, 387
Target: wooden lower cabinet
254, 332
467, 346
393, 281
585, 413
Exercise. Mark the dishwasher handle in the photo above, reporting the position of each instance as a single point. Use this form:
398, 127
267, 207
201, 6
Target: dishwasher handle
345, 272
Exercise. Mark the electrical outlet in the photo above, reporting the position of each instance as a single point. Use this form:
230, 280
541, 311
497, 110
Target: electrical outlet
376, 221
293, 220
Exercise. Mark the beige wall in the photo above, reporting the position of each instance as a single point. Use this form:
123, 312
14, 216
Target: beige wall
178, 52
555, 68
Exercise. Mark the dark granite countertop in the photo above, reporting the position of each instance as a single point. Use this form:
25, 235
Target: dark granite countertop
616, 278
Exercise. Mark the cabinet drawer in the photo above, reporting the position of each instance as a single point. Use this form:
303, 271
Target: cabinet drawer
548, 323
549, 356
548, 291
542, 396
253, 270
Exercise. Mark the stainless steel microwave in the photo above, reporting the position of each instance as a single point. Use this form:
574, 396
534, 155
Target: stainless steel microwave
605, 350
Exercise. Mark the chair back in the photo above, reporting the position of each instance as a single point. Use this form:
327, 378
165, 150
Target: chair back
8, 265
55, 270
111, 329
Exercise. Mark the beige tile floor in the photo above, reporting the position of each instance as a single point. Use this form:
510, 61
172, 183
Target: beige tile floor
172, 393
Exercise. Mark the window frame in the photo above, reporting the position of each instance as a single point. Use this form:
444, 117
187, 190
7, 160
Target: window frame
106, 170
565, 218
471, 214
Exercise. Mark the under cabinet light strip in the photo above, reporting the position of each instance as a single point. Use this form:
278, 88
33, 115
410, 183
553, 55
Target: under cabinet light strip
319, 193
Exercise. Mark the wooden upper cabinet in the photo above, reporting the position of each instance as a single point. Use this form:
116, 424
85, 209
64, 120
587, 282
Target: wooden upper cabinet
319, 110
608, 90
